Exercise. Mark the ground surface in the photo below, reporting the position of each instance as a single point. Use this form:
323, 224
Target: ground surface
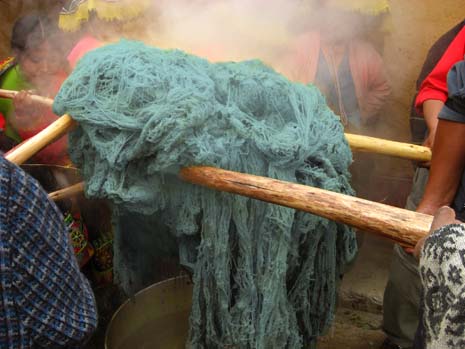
354, 330
358, 320
364, 282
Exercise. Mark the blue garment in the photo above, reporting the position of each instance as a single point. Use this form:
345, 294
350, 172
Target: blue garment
326, 83
45, 300
454, 111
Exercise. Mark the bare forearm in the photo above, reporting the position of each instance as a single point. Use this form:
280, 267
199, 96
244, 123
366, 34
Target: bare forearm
447, 166
431, 109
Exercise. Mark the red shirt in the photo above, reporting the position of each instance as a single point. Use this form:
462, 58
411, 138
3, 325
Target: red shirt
2, 122
435, 84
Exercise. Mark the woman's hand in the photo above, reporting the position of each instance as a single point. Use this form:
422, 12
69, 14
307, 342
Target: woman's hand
429, 143
444, 216
23, 101
27, 112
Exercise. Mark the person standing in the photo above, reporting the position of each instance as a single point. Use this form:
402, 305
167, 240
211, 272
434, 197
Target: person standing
401, 299
45, 300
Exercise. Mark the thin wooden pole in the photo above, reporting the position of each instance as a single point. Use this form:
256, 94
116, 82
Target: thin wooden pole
356, 142
33, 145
390, 148
66, 193
38, 99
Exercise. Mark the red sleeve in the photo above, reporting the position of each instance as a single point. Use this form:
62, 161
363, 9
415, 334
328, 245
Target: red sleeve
435, 84
2, 122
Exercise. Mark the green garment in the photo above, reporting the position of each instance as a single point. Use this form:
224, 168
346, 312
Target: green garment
11, 80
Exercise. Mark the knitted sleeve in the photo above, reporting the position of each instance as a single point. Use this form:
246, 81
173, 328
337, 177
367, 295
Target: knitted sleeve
53, 299
442, 270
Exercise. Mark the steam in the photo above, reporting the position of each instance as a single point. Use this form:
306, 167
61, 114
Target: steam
225, 29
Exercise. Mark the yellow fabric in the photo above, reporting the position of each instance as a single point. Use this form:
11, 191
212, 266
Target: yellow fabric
370, 7
116, 10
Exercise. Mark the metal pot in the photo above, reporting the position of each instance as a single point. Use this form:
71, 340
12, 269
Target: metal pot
157, 317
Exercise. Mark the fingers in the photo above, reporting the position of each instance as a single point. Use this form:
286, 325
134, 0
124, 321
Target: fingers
425, 164
22, 99
418, 247
444, 216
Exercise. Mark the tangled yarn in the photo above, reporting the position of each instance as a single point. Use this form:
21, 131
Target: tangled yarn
265, 276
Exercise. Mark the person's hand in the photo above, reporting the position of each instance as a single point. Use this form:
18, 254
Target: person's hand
444, 216
429, 143
22, 100
27, 112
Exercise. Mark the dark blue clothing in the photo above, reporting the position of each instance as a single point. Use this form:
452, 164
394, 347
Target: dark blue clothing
45, 300
454, 110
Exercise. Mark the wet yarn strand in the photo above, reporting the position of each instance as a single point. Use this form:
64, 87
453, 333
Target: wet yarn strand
265, 276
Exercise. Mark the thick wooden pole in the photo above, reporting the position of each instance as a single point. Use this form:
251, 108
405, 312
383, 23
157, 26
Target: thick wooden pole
33, 145
391, 148
403, 226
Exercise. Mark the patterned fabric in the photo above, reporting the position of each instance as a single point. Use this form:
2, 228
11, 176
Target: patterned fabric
442, 269
79, 235
7, 64
45, 300
75, 12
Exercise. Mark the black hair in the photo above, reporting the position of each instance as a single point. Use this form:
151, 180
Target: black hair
28, 33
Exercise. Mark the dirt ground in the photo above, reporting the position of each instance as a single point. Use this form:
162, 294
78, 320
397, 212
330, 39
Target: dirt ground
354, 330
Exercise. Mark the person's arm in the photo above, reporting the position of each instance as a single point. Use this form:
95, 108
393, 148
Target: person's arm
447, 166
433, 91
431, 109
54, 300
448, 161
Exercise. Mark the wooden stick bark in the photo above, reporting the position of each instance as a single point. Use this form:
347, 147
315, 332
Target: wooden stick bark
402, 226
386, 147
38, 99
33, 145
66, 193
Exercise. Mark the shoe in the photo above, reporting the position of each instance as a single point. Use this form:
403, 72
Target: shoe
388, 344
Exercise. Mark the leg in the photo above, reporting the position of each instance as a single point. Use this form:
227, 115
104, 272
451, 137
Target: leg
402, 294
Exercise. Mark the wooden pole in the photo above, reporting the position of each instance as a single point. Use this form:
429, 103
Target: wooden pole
38, 99
67, 192
391, 148
33, 145
402, 226
356, 142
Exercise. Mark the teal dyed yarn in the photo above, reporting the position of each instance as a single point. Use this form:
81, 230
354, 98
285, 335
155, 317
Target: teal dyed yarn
265, 276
